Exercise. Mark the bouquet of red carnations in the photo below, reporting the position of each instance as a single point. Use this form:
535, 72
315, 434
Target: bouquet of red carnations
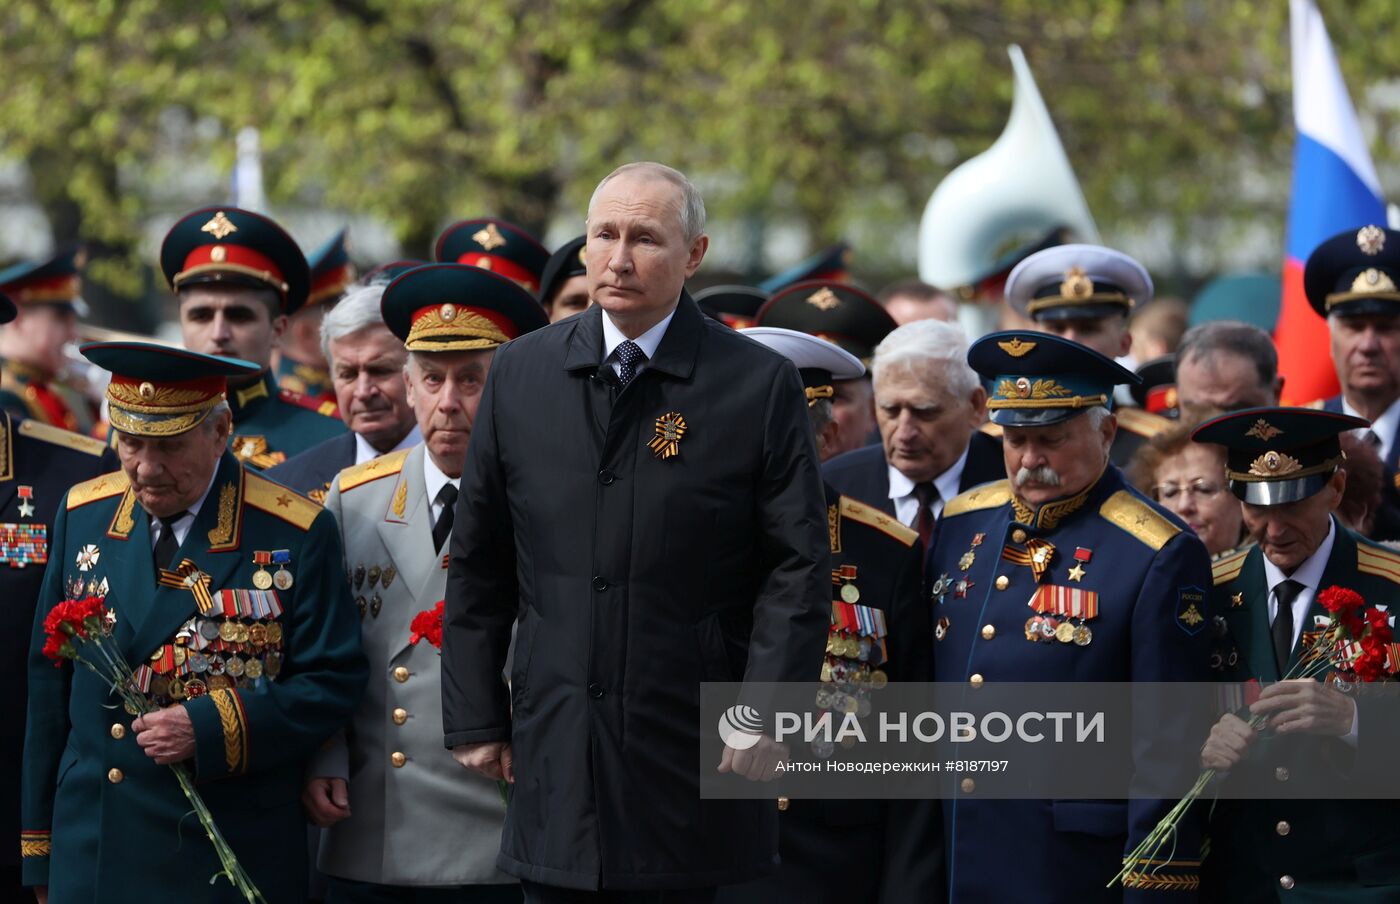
1357, 643
81, 630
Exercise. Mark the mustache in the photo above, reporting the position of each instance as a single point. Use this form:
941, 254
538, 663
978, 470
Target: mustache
1044, 475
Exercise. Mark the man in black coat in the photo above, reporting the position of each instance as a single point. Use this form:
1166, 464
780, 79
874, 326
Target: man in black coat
642, 490
38, 463
928, 404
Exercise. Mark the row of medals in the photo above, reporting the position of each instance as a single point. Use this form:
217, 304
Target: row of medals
375, 575
1065, 629
281, 579
260, 643
847, 680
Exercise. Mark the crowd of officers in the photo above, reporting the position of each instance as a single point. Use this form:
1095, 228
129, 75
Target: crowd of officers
975, 507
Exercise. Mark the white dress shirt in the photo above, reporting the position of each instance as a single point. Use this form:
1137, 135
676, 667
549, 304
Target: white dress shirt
906, 504
364, 451
434, 480
1384, 426
182, 526
1309, 574
647, 342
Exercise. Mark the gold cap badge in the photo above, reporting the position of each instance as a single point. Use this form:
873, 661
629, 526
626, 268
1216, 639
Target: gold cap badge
1264, 430
1016, 348
1077, 285
823, 299
488, 237
220, 227
1274, 464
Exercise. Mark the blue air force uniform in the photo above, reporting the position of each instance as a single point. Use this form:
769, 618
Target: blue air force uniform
1274, 846
268, 664
1101, 586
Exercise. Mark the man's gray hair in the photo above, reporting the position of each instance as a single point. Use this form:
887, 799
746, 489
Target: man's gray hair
692, 205
925, 343
354, 312
820, 412
1096, 416
212, 417
1235, 337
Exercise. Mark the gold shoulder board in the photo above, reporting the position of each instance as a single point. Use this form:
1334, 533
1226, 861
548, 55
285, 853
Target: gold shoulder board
1125, 510
60, 437
375, 468
992, 429
1379, 561
275, 499
1228, 566
1143, 423
873, 517
103, 487
988, 495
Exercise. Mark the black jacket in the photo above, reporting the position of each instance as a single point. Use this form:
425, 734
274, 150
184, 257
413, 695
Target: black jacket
862, 473
635, 578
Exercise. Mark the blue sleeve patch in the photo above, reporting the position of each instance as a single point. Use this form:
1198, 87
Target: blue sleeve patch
1191, 609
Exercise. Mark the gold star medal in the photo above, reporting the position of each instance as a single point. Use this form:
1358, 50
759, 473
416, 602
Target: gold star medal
670, 427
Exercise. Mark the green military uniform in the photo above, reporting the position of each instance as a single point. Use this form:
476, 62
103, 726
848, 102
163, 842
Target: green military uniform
271, 425
1282, 849
27, 391
237, 247
268, 665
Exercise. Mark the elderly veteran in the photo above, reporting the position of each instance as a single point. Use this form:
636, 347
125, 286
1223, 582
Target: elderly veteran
1285, 465
407, 819
239, 277
367, 362
250, 677
1064, 573
1085, 293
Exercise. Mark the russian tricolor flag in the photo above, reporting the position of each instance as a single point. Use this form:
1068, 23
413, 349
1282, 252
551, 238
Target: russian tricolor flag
1335, 188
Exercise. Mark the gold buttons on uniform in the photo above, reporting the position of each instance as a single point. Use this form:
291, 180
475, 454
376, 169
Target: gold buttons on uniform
401, 674
398, 759
1281, 773
1018, 536
400, 716
1285, 882
1283, 828
1003, 582
975, 680
118, 731
783, 803
968, 786
988, 632
115, 776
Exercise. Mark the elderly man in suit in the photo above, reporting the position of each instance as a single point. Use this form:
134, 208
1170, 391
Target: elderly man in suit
642, 494
366, 362
928, 404
406, 822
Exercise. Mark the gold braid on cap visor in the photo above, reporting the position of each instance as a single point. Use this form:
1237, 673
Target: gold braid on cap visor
817, 393
160, 411
1061, 301
462, 330
1280, 466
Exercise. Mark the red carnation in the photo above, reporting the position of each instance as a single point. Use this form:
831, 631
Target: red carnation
1338, 600
427, 625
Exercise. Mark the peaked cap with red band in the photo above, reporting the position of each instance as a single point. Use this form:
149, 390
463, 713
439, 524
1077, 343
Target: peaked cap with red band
158, 390
331, 270
456, 307
55, 281
235, 247
495, 245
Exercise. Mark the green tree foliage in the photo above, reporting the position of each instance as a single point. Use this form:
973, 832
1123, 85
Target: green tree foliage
421, 110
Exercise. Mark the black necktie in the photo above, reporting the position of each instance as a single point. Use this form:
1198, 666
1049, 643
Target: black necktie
629, 355
1286, 592
927, 494
166, 544
448, 497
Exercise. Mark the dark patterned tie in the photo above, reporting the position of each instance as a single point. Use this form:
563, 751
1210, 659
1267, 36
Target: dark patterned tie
1286, 592
629, 355
448, 497
927, 494
166, 544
